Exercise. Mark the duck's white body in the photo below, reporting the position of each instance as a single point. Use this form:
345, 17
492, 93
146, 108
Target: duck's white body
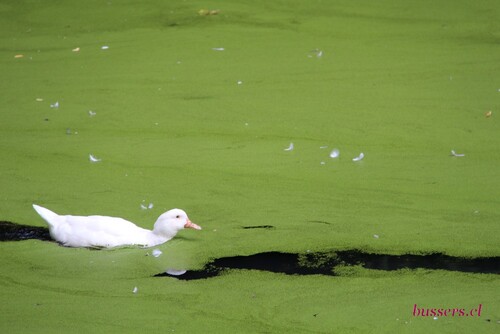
103, 231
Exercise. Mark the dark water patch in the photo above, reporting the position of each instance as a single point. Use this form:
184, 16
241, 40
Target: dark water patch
309, 263
16, 232
268, 227
483, 265
207, 272
324, 263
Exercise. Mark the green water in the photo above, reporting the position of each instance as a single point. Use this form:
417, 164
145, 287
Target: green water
180, 124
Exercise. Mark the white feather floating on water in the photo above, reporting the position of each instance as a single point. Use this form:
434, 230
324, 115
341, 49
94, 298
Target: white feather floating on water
218, 49
359, 157
453, 153
289, 148
92, 113
156, 252
335, 153
93, 158
316, 52
55, 105
144, 207
135, 289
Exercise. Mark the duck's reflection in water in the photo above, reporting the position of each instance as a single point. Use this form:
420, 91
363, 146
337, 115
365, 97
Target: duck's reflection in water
175, 272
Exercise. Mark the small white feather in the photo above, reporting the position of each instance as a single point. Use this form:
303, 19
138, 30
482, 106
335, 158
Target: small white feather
453, 153
335, 153
156, 252
359, 157
289, 148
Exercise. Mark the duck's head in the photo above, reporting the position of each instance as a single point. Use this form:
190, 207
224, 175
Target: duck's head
172, 221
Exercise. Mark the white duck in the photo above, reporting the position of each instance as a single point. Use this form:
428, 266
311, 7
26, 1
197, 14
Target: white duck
102, 231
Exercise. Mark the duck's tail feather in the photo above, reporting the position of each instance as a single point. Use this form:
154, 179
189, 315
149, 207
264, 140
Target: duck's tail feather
50, 217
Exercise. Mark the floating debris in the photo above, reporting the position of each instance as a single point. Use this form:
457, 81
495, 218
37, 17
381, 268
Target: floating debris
93, 158
135, 289
92, 113
156, 252
104, 47
453, 153
315, 53
208, 12
322, 147
335, 153
76, 50
435, 318
18, 56
359, 157
39, 99
68, 131
239, 82
218, 49
175, 272
148, 207
55, 105
289, 148
322, 163
488, 114
376, 236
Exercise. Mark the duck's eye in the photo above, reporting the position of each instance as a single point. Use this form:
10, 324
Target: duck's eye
178, 216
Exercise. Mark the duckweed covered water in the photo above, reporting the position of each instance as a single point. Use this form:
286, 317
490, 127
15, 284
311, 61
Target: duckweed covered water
195, 111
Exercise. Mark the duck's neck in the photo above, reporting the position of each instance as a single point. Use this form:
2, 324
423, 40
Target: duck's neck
164, 232
156, 239
164, 229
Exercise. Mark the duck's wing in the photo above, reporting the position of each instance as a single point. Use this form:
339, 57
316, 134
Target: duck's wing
99, 231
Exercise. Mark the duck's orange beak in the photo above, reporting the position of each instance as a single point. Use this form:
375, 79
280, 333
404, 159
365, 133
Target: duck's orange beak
190, 224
